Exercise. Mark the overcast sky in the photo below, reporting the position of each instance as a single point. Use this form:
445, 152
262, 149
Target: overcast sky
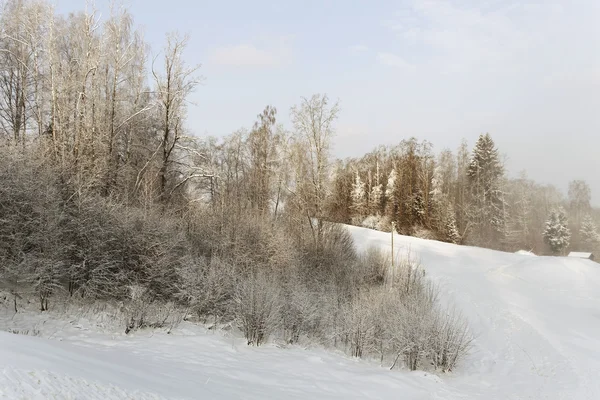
527, 72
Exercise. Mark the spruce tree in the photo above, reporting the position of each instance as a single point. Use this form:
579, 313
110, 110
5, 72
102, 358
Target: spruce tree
557, 233
487, 207
450, 230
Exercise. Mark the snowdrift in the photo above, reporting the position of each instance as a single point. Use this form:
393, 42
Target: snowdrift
536, 322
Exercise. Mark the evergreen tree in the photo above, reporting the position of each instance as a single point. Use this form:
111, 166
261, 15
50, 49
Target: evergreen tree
589, 232
487, 212
451, 231
557, 233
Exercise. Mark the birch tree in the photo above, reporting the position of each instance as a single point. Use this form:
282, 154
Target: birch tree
313, 121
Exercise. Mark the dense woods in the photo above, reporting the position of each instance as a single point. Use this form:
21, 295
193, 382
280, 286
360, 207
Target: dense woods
106, 194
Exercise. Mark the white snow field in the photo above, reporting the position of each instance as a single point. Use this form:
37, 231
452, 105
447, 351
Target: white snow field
536, 322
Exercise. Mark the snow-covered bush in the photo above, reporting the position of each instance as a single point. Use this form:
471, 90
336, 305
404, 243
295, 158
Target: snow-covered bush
423, 233
207, 287
404, 320
256, 307
141, 311
371, 222
450, 339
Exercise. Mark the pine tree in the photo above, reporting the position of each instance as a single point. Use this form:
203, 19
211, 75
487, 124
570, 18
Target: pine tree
557, 234
487, 211
358, 195
589, 232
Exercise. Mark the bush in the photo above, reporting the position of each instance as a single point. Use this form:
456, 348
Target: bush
141, 311
256, 307
207, 287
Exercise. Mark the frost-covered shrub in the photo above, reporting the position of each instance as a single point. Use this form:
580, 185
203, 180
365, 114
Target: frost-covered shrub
371, 222
423, 233
207, 287
256, 307
377, 222
141, 311
404, 320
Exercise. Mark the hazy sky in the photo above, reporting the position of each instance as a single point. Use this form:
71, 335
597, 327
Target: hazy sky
527, 72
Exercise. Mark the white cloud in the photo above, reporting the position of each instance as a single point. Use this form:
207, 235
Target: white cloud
247, 55
467, 35
393, 60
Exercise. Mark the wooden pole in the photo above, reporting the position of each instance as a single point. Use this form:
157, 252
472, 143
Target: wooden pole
393, 267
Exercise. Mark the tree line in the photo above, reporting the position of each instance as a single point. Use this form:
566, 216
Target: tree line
462, 197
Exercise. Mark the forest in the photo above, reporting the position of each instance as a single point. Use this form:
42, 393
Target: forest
105, 194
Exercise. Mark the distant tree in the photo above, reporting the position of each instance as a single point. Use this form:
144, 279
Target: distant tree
389, 188
376, 195
262, 142
487, 208
451, 233
461, 188
519, 229
580, 196
557, 233
359, 198
589, 232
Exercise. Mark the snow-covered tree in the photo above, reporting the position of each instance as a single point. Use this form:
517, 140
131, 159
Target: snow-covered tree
436, 185
519, 224
557, 233
390, 189
375, 198
359, 198
487, 212
376, 195
391, 184
451, 231
589, 232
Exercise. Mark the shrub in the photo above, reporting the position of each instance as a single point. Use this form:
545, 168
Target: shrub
256, 307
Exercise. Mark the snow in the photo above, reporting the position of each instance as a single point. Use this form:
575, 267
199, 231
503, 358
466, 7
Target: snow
191, 364
536, 319
579, 254
525, 253
536, 322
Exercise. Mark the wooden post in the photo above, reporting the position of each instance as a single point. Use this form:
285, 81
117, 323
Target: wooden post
393, 267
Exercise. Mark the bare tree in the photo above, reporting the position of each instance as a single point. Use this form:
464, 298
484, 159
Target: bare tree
172, 88
313, 121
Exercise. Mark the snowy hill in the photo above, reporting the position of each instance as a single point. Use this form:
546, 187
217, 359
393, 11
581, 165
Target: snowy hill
536, 319
536, 322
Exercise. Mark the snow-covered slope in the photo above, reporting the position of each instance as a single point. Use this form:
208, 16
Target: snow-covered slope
192, 364
536, 319
536, 322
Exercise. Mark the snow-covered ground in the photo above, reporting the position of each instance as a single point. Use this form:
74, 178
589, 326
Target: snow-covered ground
536, 321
